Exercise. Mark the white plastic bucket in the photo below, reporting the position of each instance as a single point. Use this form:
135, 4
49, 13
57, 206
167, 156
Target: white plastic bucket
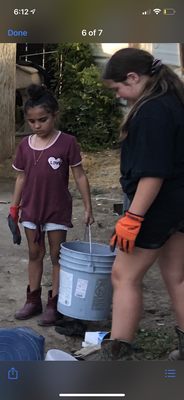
85, 290
58, 355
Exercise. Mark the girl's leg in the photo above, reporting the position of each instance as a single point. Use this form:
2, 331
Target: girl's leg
36, 256
127, 275
33, 304
55, 239
50, 314
171, 262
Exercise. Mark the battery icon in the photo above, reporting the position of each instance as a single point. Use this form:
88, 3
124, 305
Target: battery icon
169, 11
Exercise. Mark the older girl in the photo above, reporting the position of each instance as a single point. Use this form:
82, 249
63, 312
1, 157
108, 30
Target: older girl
152, 176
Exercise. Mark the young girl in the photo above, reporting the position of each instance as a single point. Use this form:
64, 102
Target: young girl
152, 176
41, 194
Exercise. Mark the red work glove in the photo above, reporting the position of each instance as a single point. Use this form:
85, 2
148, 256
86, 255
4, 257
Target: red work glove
13, 218
126, 231
14, 212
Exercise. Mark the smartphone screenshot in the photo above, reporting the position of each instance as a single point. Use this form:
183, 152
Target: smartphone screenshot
91, 200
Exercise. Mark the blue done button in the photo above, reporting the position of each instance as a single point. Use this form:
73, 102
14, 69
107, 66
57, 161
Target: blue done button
15, 33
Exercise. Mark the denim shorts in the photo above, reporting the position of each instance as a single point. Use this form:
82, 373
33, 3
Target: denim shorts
46, 227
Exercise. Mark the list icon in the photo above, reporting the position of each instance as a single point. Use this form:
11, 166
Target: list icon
170, 373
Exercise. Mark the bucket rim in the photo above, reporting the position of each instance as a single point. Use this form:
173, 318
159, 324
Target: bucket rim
111, 253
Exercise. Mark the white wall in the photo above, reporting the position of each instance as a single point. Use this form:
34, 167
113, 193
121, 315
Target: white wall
168, 52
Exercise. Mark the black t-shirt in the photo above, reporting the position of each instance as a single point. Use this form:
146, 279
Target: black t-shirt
154, 146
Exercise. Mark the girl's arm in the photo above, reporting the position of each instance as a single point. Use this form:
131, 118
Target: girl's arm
147, 190
83, 187
17, 194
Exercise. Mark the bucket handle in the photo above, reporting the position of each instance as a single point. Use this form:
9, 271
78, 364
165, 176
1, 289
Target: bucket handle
91, 267
88, 230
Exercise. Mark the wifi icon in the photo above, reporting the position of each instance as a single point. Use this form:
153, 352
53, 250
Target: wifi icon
157, 11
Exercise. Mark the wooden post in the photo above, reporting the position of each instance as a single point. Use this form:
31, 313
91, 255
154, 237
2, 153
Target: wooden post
7, 99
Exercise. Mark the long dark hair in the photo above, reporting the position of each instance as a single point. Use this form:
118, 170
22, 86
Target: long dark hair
162, 78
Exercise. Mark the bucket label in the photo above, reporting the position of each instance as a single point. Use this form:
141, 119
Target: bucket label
81, 288
65, 290
101, 293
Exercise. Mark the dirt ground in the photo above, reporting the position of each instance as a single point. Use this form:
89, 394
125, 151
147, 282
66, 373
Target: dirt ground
156, 330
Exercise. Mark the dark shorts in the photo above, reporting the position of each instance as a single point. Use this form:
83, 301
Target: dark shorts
164, 218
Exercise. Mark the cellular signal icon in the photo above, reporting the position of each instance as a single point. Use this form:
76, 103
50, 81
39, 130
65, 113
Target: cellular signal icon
146, 12
157, 11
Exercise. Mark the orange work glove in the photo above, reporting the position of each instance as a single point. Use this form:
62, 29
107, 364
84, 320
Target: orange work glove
126, 231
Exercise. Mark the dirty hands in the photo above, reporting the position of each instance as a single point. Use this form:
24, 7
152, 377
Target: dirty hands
126, 231
13, 218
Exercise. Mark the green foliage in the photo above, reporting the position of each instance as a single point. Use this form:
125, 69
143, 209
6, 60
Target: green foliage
87, 108
78, 54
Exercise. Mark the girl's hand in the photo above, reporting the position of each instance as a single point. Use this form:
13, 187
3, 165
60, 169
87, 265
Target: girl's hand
88, 218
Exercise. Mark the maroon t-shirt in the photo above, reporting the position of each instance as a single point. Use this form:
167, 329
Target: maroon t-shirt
45, 196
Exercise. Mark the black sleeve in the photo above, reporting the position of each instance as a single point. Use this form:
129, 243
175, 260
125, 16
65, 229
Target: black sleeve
153, 144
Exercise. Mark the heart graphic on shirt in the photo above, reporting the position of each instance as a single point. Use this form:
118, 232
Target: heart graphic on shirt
54, 162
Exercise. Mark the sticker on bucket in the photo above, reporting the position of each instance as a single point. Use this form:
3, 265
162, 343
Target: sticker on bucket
99, 299
81, 288
65, 291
